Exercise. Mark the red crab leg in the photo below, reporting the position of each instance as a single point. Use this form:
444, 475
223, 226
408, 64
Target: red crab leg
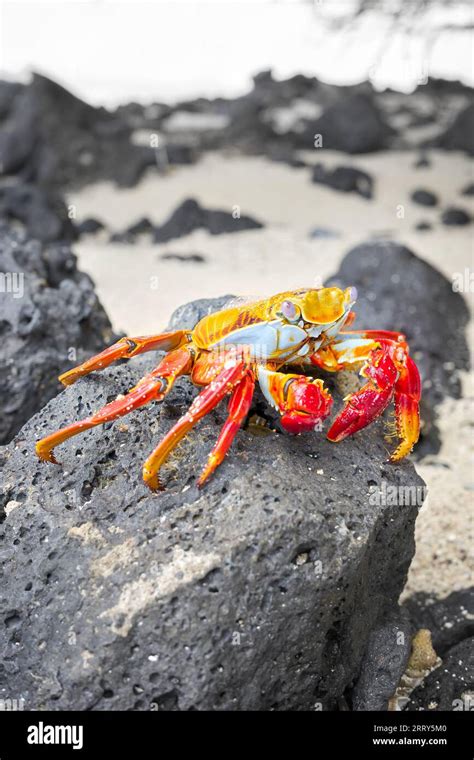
125, 348
407, 415
370, 401
152, 387
202, 405
239, 406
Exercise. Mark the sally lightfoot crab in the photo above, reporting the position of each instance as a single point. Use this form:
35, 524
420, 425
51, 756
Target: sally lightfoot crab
231, 350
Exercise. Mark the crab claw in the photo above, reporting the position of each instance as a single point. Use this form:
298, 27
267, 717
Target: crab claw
308, 404
370, 401
302, 401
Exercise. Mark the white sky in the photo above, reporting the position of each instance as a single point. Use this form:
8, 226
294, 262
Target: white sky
109, 51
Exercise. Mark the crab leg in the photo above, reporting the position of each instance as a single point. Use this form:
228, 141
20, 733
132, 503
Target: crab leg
202, 405
407, 416
125, 348
239, 406
152, 387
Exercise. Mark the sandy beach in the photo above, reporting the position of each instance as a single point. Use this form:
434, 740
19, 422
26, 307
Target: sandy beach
139, 290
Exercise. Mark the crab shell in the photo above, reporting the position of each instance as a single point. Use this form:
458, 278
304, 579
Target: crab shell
277, 328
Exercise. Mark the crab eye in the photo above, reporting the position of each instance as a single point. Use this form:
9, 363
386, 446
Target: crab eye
290, 311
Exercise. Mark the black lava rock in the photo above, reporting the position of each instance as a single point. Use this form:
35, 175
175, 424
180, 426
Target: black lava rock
8, 93
353, 124
423, 226
195, 258
346, 179
259, 591
18, 133
468, 189
384, 663
131, 233
424, 198
398, 291
455, 217
50, 318
53, 138
123, 237
284, 153
451, 685
89, 226
460, 135
450, 620
185, 317
422, 162
141, 227
43, 212
190, 216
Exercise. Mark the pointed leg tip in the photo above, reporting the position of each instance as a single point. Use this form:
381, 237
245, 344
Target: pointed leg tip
398, 455
153, 482
153, 487
334, 437
202, 480
67, 378
45, 455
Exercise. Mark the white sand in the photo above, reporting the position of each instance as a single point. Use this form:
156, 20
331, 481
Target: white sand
139, 291
269, 260
445, 529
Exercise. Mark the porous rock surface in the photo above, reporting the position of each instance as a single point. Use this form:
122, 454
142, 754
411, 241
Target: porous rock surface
259, 591
48, 311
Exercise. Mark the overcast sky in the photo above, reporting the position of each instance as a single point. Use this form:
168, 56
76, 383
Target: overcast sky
109, 51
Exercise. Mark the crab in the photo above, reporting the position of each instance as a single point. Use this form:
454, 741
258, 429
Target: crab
276, 342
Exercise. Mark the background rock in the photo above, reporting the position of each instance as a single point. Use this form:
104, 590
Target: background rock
89, 226
384, 663
18, 136
354, 124
450, 620
190, 216
424, 197
185, 317
398, 291
196, 258
451, 685
41, 211
460, 134
50, 137
259, 591
54, 311
455, 217
54, 138
346, 179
